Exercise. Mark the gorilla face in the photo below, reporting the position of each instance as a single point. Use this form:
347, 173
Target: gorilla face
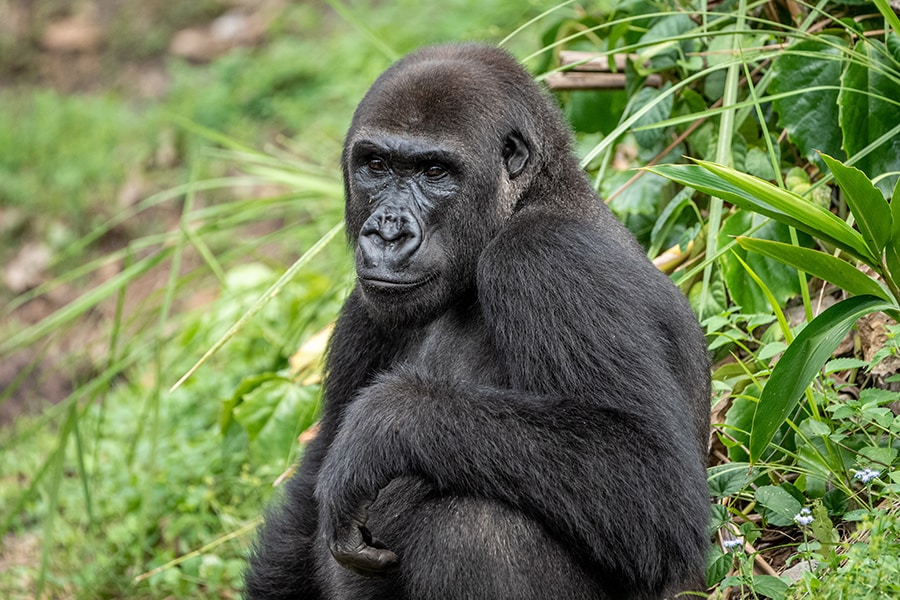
422, 205
401, 189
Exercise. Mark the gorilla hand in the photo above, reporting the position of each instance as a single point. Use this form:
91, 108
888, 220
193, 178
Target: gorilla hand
352, 545
346, 489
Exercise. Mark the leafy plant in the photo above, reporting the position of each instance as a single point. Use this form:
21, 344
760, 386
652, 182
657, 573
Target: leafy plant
876, 245
868, 567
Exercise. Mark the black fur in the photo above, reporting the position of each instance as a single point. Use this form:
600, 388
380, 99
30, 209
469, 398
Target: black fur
517, 401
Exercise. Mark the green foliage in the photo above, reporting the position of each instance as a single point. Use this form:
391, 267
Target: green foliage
808, 79
813, 428
781, 281
163, 478
836, 442
867, 570
870, 107
815, 344
57, 153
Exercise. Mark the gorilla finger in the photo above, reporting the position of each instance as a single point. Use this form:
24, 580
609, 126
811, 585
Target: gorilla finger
367, 561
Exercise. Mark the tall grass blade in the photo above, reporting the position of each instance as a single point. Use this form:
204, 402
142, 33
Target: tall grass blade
57, 464
819, 264
884, 7
752, 193
872, 213
723, 147
801, 361
263, 300
81, 304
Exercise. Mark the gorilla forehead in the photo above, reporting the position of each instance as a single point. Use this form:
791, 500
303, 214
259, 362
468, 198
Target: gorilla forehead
462, 92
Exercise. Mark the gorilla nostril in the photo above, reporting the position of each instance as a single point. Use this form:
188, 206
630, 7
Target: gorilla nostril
392, 228
389, 227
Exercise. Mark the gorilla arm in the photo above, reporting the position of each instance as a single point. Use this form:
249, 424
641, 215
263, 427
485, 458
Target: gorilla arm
281, 562
592, 440
572, 468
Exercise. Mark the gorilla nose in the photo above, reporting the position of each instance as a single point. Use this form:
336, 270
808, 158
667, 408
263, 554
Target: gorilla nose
390, 237
387, 226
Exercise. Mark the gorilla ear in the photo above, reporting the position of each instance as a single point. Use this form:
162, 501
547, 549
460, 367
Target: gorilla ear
515, 153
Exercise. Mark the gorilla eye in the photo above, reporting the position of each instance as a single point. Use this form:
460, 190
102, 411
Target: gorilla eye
435, 171
377, 165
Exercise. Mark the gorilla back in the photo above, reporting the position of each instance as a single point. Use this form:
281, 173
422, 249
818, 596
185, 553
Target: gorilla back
516, 400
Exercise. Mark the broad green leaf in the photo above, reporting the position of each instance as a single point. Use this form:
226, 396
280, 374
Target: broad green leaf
819, 264
759, 164
872, 213
868, 108
713, 301
769, 586
718, 564
590, 111
730, 478
879, 455
661, 110
274, 414
248, 384
810, 117
720, 52
835, 500
893, 42
892, 252
739, 421
665, 52
719, 517
754, 194
776, 275
780, 506
637, 205
801, 361
895, 210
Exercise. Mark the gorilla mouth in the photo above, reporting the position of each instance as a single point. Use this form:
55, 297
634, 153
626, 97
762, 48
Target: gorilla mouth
392, 284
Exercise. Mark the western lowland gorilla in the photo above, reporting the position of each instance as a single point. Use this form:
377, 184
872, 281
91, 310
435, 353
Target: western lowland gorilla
516, 401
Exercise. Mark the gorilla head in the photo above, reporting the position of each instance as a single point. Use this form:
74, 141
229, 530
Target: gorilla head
440, 153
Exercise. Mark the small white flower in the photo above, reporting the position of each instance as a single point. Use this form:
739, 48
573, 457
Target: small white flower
866, 475
732, 544
804, 517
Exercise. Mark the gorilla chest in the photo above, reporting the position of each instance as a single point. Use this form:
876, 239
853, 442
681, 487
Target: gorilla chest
456, 349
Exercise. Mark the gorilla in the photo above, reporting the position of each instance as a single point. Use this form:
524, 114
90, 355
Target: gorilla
516, 401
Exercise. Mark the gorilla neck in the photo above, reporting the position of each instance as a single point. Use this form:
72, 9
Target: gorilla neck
453, 347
